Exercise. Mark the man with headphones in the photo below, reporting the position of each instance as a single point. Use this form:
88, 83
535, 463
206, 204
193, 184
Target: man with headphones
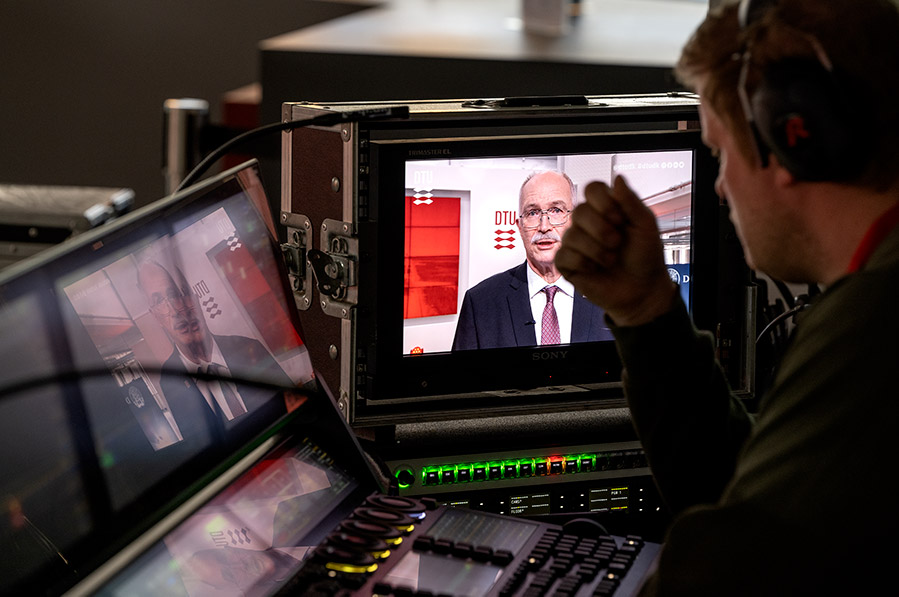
798, 101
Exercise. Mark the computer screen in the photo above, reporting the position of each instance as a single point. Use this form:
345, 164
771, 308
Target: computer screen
252, 537
138, 359
462, 227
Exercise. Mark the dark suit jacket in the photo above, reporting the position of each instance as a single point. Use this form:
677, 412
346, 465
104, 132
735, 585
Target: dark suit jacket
246, 358
496, 313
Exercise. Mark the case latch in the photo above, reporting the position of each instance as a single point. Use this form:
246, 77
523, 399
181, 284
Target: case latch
295, 250
331, 268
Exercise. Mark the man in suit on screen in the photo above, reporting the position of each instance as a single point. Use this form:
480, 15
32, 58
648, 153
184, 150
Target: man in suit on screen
192, 398
532, 304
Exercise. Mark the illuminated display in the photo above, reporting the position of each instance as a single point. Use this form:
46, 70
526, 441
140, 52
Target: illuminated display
609, 499
529, 505
461, 226
518, 468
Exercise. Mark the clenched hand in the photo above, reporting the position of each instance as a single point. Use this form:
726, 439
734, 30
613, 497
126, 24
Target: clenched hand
613, 255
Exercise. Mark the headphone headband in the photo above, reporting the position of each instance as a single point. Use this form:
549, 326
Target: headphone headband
751, 11
797, 111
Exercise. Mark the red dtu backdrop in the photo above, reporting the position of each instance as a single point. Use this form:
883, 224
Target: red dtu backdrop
253, 290
432, 256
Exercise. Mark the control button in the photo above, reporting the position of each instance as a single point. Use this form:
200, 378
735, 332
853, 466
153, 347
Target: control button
380, 530
495, 472
633, 459
619, 565
480, 473
526, 469
635, 540
442, 546
342, 560
541, 467
606, 588
448, 476
583, 552
536, 560
540, 583
555, 467
405, 478
432, 477
463, 475
510, 471
586, 464
411, 506
502, 557
396, 519
482, 553
514, 580
423, 543
571, 465
366, 543
463, 550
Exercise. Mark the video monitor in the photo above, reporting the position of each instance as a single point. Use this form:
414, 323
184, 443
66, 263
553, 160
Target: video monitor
441, 311
459, 316
139, 359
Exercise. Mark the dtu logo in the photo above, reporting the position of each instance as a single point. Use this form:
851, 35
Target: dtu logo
505, 239
422, 196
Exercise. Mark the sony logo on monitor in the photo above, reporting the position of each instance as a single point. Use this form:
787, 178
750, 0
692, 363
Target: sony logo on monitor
549, 355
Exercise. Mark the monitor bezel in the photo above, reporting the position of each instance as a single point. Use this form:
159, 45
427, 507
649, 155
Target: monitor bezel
391, 388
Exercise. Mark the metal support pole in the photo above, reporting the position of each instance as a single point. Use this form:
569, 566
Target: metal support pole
184, 120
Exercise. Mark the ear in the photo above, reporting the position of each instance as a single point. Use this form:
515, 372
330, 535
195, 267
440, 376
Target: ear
783, 178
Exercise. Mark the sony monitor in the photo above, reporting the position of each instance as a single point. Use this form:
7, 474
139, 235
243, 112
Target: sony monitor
444, 320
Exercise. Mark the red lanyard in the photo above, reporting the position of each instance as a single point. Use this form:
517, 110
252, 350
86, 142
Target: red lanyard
881, 227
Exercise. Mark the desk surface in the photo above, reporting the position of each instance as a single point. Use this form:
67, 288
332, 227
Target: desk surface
620, 32
396, 50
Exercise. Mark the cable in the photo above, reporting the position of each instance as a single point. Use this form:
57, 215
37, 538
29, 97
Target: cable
75, 375
327, 119
801, 303
785, 292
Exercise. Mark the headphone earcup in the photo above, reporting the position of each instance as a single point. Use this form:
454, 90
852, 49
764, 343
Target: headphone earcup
801, 119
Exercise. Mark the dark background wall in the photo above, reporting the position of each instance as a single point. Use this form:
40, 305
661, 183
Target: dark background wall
82, 83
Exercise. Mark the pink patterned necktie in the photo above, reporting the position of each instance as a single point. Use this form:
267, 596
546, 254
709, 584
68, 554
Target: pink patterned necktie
550, 326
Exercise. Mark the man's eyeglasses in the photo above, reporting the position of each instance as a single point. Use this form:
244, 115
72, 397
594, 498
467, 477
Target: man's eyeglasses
174, 300
531, 218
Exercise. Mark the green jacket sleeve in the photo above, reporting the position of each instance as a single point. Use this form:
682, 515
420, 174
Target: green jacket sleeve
690, 425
